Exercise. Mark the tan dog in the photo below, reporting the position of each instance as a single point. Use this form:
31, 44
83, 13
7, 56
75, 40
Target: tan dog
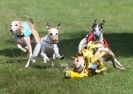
22, 31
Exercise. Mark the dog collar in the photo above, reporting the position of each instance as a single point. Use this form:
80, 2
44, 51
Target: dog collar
20, 35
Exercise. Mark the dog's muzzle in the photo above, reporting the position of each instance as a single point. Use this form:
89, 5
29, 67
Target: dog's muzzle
96, 36
55, 41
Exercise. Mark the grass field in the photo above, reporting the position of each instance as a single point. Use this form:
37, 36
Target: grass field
76, 18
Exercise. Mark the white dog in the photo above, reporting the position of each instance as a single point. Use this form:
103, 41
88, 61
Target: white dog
22, 32
49, 48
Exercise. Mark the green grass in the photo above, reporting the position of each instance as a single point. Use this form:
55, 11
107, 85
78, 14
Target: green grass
76, 18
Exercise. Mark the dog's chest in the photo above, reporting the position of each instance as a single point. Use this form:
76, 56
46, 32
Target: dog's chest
48, 46
49, 50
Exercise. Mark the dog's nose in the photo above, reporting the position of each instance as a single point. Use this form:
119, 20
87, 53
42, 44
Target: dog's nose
10, 30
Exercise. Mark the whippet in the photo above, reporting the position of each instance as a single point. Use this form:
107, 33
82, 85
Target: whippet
97, 35
22, 32
49, 47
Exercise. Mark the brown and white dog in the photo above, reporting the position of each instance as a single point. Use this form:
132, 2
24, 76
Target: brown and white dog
22, 32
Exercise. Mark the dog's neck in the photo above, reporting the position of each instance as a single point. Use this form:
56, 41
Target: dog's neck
48, 40
21, 29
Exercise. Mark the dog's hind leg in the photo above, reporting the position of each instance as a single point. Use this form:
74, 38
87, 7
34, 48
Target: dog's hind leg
37, 50
28, 43
27, 64
118, 64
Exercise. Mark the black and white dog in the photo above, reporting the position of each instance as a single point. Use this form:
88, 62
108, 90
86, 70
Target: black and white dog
97, 35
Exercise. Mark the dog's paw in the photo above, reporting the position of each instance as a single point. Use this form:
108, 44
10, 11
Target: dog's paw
25, 50
47, 59
64, 66
52, 64
121, 68
32, 61
44, 61
62, 57
27, 65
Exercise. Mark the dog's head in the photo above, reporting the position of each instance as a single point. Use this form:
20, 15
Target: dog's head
97, 29
15, 26
53, 33
78, 62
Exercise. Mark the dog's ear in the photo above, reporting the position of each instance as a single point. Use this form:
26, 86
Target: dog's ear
76, 55
94, 23
102, 23
15, 17
48, 25
29, 19
73, 57
58, 26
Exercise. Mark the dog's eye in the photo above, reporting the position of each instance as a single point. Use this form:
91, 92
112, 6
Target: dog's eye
50, 34
56, 33
77, 60
93, 28
100, 28
16, 25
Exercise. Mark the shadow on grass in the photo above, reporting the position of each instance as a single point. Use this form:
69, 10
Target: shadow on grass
12, 52
120, 43
44, 66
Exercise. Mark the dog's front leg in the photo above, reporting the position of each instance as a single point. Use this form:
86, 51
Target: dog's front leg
54, 56
44, 56
20, 42
82, 44
56, 52
21, 48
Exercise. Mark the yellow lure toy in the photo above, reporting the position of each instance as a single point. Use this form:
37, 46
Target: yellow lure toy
90, 60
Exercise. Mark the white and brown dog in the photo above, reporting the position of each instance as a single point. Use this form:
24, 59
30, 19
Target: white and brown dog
49, 47
22, 32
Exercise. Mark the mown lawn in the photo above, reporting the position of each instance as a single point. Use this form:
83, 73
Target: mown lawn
76, 18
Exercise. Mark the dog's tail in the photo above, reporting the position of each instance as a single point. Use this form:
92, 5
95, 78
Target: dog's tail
29, 19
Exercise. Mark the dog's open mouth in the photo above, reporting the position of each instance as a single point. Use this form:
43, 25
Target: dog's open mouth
55, 41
